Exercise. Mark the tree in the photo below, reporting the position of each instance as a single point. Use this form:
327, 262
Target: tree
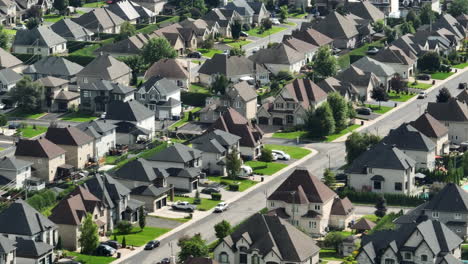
339, 108
325, 64
89, 238
32, 23
390, 34
3, 120
76, 3
321, 122
378, 25
380, 95
458, 7
266, 23
192, 247
429, 62
124, 242
127, 30
342, 10
351, 111
222, 229
426, 15
407, 28
212, 3
329, 177
3, 38
137, 64
236, 29
219, 84
61, 5
266, 155
284, 75
156, 49
397, 84
357, 143
381, 207
208, 43
34, 11
444, 95
333, 240
233, 164
283, 13
413, 18
142, 218
27, 95
237, 51
124, 227
270, 5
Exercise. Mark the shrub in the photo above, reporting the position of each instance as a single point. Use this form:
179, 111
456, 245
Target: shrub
266, 155
124, 227
246, 27
371, 198
233, 187
216, 196
194, 99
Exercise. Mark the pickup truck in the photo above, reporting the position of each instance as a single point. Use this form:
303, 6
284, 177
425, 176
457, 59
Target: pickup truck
184, 206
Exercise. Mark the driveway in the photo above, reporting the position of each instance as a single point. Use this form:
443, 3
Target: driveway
161, 222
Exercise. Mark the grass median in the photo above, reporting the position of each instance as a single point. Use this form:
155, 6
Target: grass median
89, 258
78, 117
32, 131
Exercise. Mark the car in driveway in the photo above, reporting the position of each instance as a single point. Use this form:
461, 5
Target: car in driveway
221, 207
105, 250
364, 111
372, 51
281, 155
210, 190
112, 243
152, 244
422, 95
423, 77
19, 27
243, 34
184, 206
245, 171
255, 50
336, 50
195, 54
275, 21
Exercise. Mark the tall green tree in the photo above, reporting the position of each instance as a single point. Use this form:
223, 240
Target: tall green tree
458, 7
283, 13
32, 23
127, 30
333, 240
237, 51
266, 155
426, 15
61, 5
429, 62
156, 49
443, 96
351, 111
321, 122
222, 229
390, 34
77, 3
413, 18
142, 218
325, 64
219, 84
329, 178
3, 38
137, 64
233, 164
358, 143
267, 24
3, 120
236, 29
339, 108
380, 95
27, 95
89, 238
407, 28
381, 207
192, 247
378, 25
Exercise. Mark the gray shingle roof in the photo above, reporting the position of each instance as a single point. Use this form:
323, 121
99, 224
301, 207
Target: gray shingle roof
7, 60
8, 76
230, 66
124, 9
12, 163
128, 111
68, 29
21, 219
107, 189
452, 198
105, 67
336, 26
41, 36
176, 153
162, 85
150, 190
366, 10
30, 249
453, 110
244, 90
70, 136
169, 68
51, 81
140, 170
99, 19
105, 85
406, 137
55, 66
367, 64
216, 141
41, 148
279, 54
6, 245
96, 128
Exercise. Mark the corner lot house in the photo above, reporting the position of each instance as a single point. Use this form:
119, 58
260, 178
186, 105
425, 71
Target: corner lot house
434, 130
39, 41
14, 170
305, 201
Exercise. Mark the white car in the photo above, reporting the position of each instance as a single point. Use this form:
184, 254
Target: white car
275, 21
246, 171
281, 154
254, 50
221, 207
19, 26
422, 95
274, 155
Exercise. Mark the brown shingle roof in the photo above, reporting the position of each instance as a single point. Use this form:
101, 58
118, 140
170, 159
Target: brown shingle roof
305, 92
68, 136
312, 36
169, 68
299, 45
41, 148
7, 60
429, 126
51, 81
342, 206
453, 110
364, 224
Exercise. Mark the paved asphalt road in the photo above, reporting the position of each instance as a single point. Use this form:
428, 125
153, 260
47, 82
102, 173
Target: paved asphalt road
333, 153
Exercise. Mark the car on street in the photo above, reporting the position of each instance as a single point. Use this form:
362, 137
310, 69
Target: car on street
152, 244
424, 77
221, 207
184, 206
254, 50
275, 21
422, 95
210, 190
281, 155
364, 111
372, 51
243, 34
105, 250
195, 54
226, 52
462, 86
112, 243
165, 261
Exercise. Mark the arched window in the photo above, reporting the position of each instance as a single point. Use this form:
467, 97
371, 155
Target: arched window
223, 257
255, 259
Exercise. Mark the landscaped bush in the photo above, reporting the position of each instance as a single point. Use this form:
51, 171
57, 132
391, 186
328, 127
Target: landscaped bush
371, 198
42, 200
124, 227
233, 187
216, 196
246, 27
194, 99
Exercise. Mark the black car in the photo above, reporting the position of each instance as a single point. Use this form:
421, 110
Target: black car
195, 54
364, 111
424, 77
165, 261
210, 190
462, 86
105, 250
112, 243
152, 244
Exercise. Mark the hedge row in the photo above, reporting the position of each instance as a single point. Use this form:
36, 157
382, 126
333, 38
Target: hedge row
42, 200
194, 99
73, 45
27, 58
371, 198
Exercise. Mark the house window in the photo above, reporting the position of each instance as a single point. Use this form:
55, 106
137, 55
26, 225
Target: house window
85, 94
389, 261
279, 105
317, 207
377, 185
458, 216
435, 214
243, 258
312, 224
223, 257
180, 83
255, 259
370, 170
272, 204
398, 186
143, 96
423, 257
407, 255
30, 50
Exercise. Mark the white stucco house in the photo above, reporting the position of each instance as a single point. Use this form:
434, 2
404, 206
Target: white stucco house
39, 41
454, 116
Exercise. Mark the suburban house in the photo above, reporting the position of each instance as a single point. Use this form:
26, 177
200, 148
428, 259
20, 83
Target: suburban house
250, 11
34, 235
95, 96
301, 46
342, 29
103, 134
292, 103
449, 206
70, 30
240, 96
251, 135
70, 213
162, 96
56, 97
401, 63
8, 12
235, 68
58, 67
100, 20
147, 184
345, 89
427, 242
454, 116
46, 157
7, 250
383, 71
365, 10
172, 70
155, 6
280, 57
312, 36
383, 169
132, 12
267, 239
414, 144
214, 147
77, 144
364, 82
305, 201
434, 130
203, 29
39, 41
105, 67
225, 18
133, 120
10, 61
13, 170
8, 79
187, 35
132, 45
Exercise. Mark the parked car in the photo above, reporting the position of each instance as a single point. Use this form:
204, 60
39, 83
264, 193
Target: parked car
246, 171
184, 206
364, 111
281, 154
221, 207
275, 21
152, 244
424, 77
19, 27
372, 50
275, 157
243, 34
254, 50
210, 190
165, 261
422, 95
195, 54
112, 243
105, 250
462, 86
336, 50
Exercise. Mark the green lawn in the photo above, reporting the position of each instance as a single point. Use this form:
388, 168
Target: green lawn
265, 168
198, 88
343, 132
180, 220
461, 65
344, 60
329, 254
233, 43
94, 4
206, 204
139, 238
210, 52
441, 75
297, 15
244, 184
143, 154
379, 110
294, 152
290, 135
256, 32
10, 31
78, 117
112, 159
148, 29
86, 51
30, 132
370, 217
400, 97
422, 86
52, 18
90, 259
290, 23
184, 120
25, 115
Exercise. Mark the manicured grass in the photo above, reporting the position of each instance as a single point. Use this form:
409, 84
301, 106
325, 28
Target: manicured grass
297, 15
370, 217
379, 110
10, 31
329, 254
206, 204
199, 62
256, 32
344, 60
148, 29
441, 75
290, 23
78, 117
180, 220
30, 132
290, 135
400, 97
90, 259
144, 154
210, 52
53, 18
265, 168
94, 4
294, 152
233, 43
422, 86
198, 88
461, 65
184, 120
112, 159
25, 115
244, 184
86, 51
341, 133
140, 237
